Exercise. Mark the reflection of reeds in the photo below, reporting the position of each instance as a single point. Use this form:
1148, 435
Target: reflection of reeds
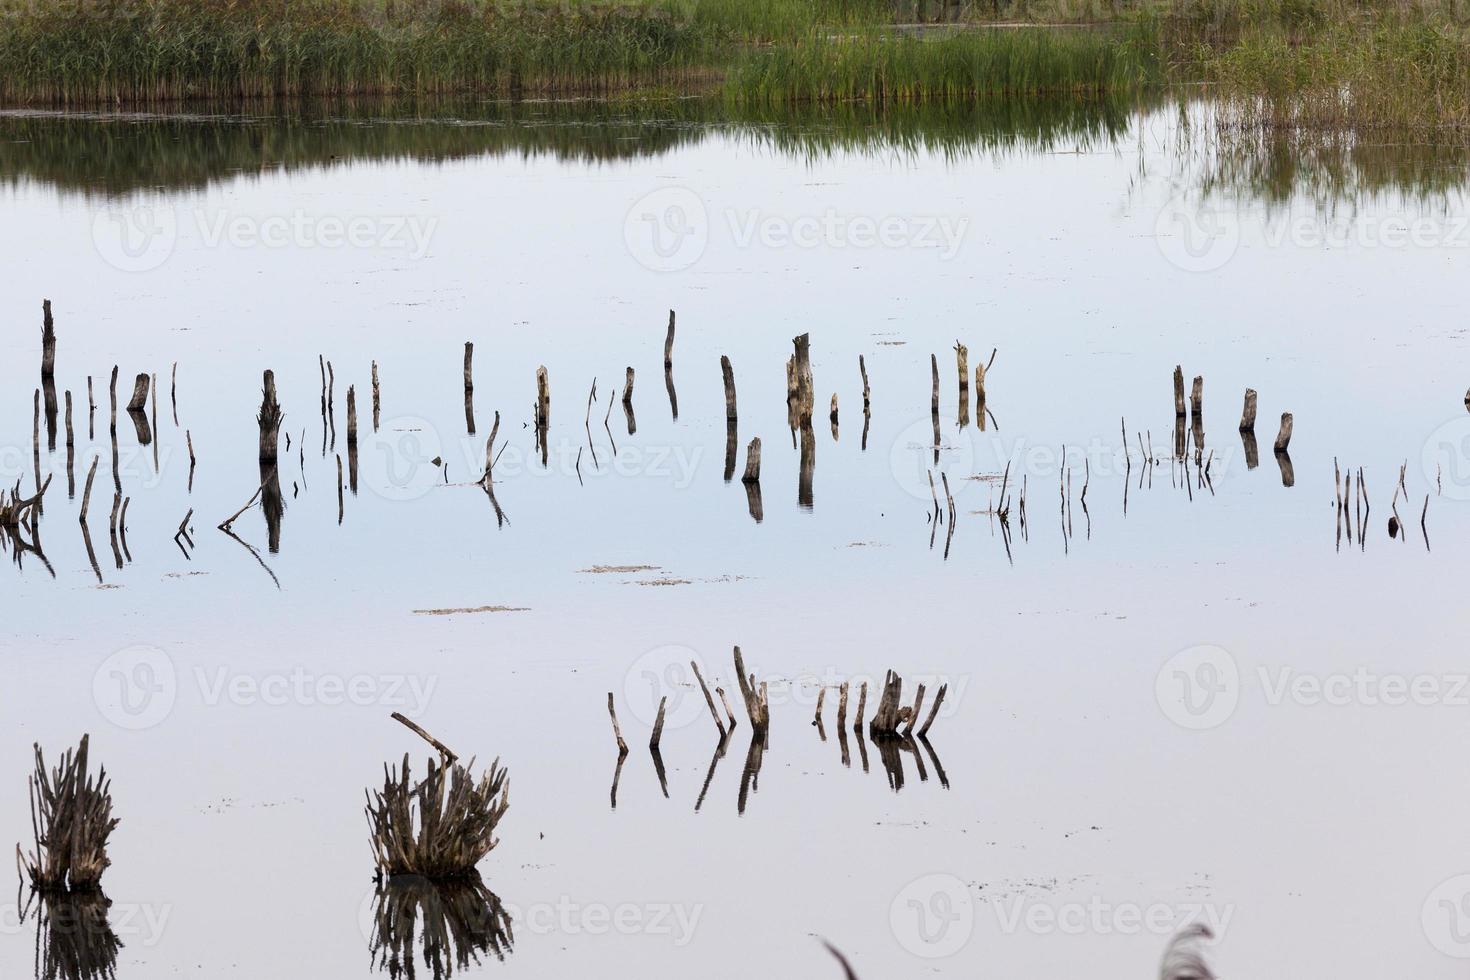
439, 828
71, 819
75, 941
456, 923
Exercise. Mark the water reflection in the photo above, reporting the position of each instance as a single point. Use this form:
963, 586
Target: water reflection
74, 940
454, 923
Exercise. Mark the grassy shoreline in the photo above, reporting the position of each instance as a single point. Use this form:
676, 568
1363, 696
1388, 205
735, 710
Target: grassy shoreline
1371, 64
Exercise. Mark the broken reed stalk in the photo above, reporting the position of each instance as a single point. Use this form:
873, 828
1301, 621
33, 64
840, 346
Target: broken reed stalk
455, 825
617, 729
48, 341
376, 409
821, 699
863, 370
757, 703
1248, 412
710, 701
1197, 397
269, 418
832, 415
1283, 438
658, 724
669, 344
486, 479
139, 400
71, 820
857, 721
1178, 391
627, 391
112, 399
729, 712
469, 387
729, 374
842, 706
752, 462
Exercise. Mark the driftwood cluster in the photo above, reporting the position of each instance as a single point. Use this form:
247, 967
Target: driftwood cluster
71, 821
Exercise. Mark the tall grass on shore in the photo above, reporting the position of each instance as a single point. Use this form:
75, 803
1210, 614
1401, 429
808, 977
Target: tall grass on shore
154, 51
893, 67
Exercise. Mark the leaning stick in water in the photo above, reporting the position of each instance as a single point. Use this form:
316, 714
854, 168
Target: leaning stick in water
617, 730
449, 757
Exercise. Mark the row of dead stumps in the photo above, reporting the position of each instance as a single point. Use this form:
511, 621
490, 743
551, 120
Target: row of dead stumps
891, 729
428, 838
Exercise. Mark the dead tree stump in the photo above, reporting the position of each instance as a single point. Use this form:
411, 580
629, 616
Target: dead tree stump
269, 418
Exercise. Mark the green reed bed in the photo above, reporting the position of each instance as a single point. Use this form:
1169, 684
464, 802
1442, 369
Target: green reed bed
892, 67
150, 51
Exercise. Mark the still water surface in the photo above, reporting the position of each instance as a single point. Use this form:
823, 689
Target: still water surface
1093, 251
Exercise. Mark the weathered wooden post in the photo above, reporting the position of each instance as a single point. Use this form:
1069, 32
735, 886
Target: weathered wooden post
351, 416
669, 369
962, 361
805, 388
140, 394
48, 341
1178, 391
729, 376
269, 418
1248, 412
1283, 437
375, 396
753, 462
1197, 397
469, 387
863, 370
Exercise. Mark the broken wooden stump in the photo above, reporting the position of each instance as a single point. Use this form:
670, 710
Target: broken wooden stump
469, 387
440, 828
139, 401
752, 462
375, 397
269, 418
1283, 437
48, 341
658, 725
805, 388
71, 814
1197, 397
1178, 391
351, 416
962, 361
710, 701
1248, 412
617, 729
757, 702
729, 375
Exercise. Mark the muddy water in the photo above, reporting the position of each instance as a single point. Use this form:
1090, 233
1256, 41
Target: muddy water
1188, 710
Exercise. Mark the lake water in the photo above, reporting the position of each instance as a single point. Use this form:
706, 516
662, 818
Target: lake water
1178, 698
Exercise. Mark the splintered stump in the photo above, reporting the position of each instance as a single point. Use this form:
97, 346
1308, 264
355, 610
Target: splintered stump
139, 400
48, 341
1248, 412
439, 828
802, 368
71, 814
1197, 397
351, 415
729, 375
1178, 391
1283, 437
753, 462
269, 418
757, 701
